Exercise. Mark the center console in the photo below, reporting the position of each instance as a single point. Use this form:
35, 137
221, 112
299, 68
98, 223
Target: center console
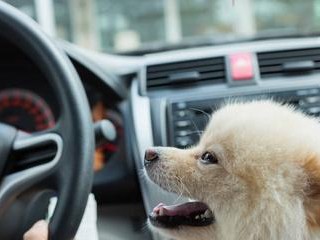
187, 119
175, 92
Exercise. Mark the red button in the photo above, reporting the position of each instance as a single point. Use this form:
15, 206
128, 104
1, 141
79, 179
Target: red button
241, 66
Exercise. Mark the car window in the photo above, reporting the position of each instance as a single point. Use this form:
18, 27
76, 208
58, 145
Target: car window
125, 25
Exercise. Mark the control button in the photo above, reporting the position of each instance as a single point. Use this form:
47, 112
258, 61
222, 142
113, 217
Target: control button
314, 91
312, 100
241, 66
182, 124
183, 133
304, 92
313, 110
183, 141
182, 113
181, 105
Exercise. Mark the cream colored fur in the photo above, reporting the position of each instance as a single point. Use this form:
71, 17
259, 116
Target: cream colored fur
267, 182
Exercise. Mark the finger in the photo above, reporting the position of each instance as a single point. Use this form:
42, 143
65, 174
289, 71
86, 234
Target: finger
39, 231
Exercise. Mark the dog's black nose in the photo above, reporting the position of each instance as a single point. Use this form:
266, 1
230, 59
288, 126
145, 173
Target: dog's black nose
150, 156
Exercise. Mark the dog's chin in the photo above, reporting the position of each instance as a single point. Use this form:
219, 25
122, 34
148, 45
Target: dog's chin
184, 232
185, 217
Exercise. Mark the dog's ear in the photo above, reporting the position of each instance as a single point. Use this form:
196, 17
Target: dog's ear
312, 191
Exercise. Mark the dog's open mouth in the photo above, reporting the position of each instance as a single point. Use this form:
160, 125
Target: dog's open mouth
195, 214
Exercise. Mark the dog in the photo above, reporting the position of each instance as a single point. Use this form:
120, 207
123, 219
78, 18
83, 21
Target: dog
255, 174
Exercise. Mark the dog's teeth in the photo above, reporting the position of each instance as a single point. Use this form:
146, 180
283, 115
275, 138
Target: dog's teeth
207, 213
197, 217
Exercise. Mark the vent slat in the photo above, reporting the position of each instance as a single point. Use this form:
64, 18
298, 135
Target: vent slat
206, 76
269, 75
277, 61
291, 53
213, 75
197, 69
271, 64
278, 68
201, 70
185, 64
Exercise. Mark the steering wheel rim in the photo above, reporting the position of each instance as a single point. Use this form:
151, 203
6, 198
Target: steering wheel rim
71, 175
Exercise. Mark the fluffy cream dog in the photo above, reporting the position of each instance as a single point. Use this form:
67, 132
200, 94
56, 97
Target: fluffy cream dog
256, 167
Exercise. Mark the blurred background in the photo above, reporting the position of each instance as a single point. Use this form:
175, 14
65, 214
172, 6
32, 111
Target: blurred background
126, 25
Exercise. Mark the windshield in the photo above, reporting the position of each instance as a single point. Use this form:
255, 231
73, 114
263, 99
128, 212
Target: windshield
128, 25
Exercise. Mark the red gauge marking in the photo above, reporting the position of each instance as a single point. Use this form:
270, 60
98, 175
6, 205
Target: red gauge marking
25, 110
109, 147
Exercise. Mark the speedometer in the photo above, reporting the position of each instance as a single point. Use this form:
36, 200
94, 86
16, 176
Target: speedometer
25, 110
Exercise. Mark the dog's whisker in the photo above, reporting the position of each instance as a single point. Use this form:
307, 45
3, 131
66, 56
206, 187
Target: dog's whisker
145, 228
142, 172
180, 189
196, 128
208, 115
193, 132
177, 199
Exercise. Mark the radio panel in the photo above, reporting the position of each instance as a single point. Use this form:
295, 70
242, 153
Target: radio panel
187, 119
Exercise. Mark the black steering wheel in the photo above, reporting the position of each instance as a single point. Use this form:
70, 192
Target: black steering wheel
56, 161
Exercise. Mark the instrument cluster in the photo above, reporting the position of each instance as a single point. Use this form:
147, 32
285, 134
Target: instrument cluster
30, 107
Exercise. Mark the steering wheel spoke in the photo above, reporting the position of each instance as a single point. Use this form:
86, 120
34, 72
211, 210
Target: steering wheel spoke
31, 151
33, 158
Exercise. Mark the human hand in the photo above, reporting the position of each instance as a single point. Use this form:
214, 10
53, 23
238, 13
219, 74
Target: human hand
39, 231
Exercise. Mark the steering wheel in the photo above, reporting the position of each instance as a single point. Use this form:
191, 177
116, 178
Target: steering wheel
59, 159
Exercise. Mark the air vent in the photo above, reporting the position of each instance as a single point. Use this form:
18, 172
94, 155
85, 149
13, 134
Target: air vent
289, 62
209, 70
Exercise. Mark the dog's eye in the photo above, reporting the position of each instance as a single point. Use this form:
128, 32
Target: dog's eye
209, 158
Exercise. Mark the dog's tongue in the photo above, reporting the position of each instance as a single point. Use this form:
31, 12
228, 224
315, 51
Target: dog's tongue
184, 209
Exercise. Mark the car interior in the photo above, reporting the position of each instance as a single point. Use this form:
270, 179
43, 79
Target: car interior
81, 117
